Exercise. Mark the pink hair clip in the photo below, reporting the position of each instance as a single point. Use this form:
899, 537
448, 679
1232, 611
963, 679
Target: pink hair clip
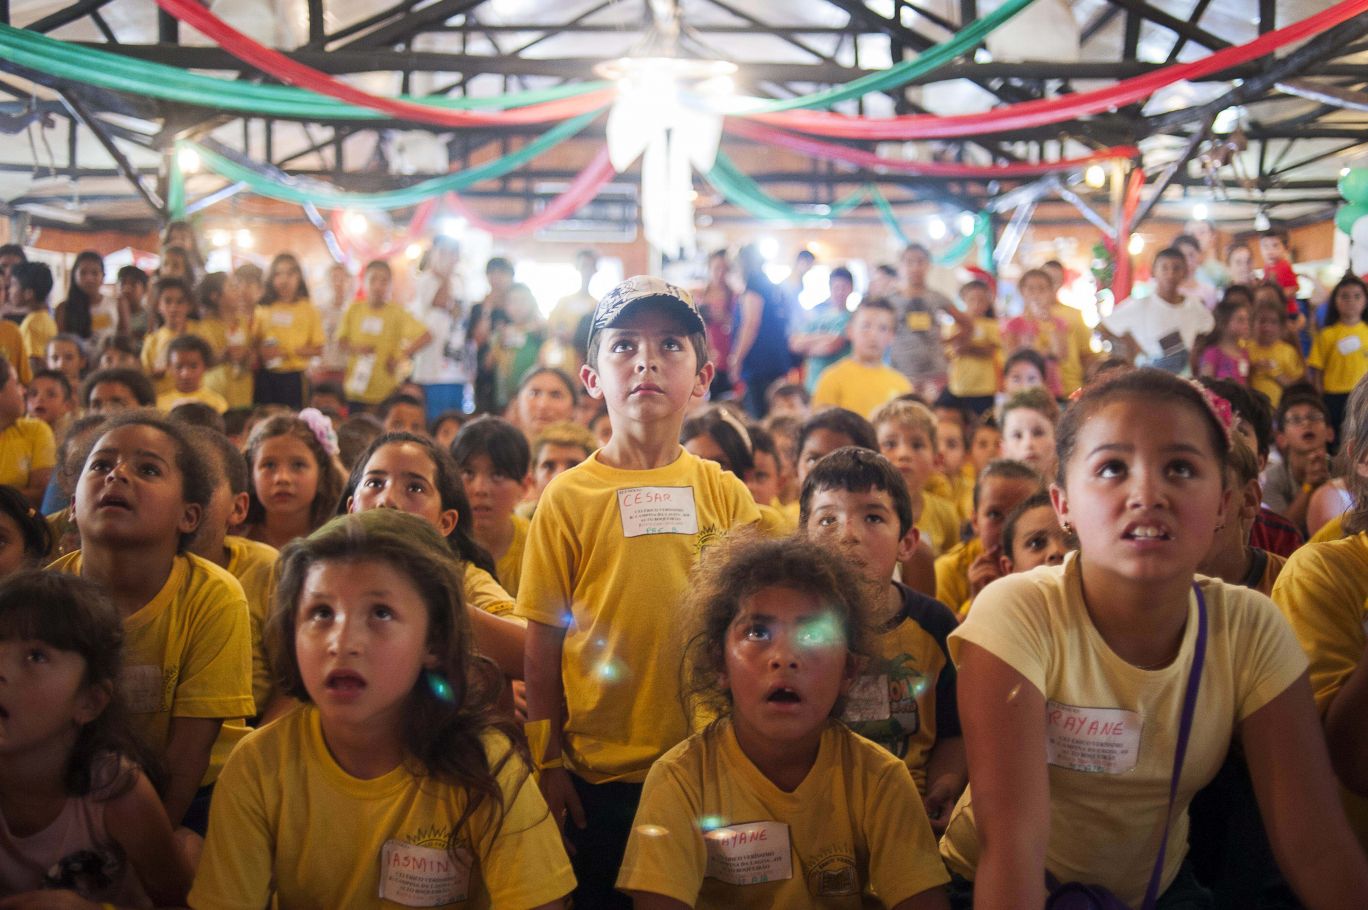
319, 424
1220, 409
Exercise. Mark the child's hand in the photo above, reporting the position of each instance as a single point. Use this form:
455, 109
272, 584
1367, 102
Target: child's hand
47, 900
562, 801
984, 570
939, 802
1317, 469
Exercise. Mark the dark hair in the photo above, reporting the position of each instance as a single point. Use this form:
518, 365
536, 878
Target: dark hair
444, 732
917, 248
353, 435
76, 307
1242, 291
782, 388
121, 343
1332, 315
35, 277
330, 388
56, 376
32, 528
162, 285
1025, 355
1353, 446
1224, 312
876, 303
1035, 399
842, 273
183, 344
504, 443
1301, 393
177, 252
1236, 245
379, 265
498, 264
762, 441
455, 414
209, 293
838, 420
1006, 469
70, 613
232, 464
806, 254
740, 567
857, 470
268, 295
1170, 252
887, 270
131, 273
131, 379
330, 477
1274, 234
1161, 388
570, 385
198, 414
1037, 500
393, 401
447, 478
1186, 240
197, 486
729, 434
249, 272
1250, 405
71, 449
13, 249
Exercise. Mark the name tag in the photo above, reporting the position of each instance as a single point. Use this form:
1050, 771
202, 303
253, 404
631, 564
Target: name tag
372, 325
282, 318
359, 378
749, 854
1348, 344
1093, 740
918, 321
422, 876
142, 688
868, 700
657, 510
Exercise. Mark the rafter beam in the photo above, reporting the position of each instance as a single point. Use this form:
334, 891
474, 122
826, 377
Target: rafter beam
80, 114
1175, 168
66, 16
411, 23
1178, 26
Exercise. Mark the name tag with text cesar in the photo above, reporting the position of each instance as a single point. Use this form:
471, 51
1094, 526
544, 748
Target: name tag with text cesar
749, 854
1093, 740
657, 510
422, 876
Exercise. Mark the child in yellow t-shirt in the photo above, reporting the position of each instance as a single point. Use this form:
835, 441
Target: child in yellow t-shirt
906, 431
1339, 353
862, 381
430, 800
493, 458
1028, 431
286, 331
607, 558
974, 349
1274, 363
856, 504
230, 315
779, 804
717, 434
962, 572
187, 673
952, 446
30, 285
67, 355
189, 356
28, 450
377, 336
1032, 536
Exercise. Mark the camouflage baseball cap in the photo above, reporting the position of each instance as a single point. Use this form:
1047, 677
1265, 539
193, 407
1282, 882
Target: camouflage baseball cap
641, 289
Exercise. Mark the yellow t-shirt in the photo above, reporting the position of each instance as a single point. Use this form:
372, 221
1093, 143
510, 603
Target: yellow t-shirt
291, 828
12, 346
389, 330
1080, 336
37, 329
1323, 592
168, 400
509, 565
293, 325
952, 574
904, 697
1111, 727
26, 445
215, 332
939, 523
774, 522
714, 832
157, 356
235, 383
608, 559
1331, 530
856, 387
1268, 365
1340, 352
962, 487
974, 376
485, 593
254, 565
187, 653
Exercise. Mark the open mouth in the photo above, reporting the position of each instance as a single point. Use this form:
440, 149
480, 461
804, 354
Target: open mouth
344, 681
113, 501
784, 696
1147, 532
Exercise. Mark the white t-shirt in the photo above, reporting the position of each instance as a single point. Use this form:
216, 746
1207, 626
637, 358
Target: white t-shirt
1165, 331
449, 357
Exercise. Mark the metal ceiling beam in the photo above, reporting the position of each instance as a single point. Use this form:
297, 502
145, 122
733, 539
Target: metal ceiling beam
1178, 26
66, 16
1176, 167
125, 167
412, 23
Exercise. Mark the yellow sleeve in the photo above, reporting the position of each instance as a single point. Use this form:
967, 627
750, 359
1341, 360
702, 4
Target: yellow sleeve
904, 859
38, 329
1323, 600
235, 870
551, 557
411, 327
216, 662
665, 851
260, 322
952, 583
1319, 347
346, 330
484, 593
827, 392
43, 446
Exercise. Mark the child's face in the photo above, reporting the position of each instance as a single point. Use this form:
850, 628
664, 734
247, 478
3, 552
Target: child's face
1349, 303
998, 496
911, 451
187, 369
1240, 262
863, 528
1143, 492
174, 308
285, 476
789, 404
977, 300
765, 480
378, 285
131, 493
285, 281
446, 431
819, 444
113, 357
1028, 436
47, 400
12, 399
1193, 254
44, 695
1169, 274
1304, 430
986, 445
554, 459
108, 397
493, 496
520, 306
15, 294
950, 445
647, 370
132, 290
361, 640
1268, 328
64, 357
1021, 376
12, 554
89, 277
1037, 540
915, 265
1038, 293
406, 418
326, 401
871, 332
544, 400
402, 476
1272, 248
787, 664
1238, 326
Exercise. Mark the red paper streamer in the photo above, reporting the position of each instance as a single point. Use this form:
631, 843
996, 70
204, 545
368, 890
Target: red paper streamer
283, 68
829, 150
580, 191
1029, 114
361, 251
1122, 279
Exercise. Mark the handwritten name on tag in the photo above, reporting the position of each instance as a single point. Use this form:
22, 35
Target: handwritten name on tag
1093, 740
422, 876
143, 689
657, 510
749, 854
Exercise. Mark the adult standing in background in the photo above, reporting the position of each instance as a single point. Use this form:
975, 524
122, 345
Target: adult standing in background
717, 303
1211, 269
822, 339
760, 351
918, 352
446, 366
486, 317
793, 285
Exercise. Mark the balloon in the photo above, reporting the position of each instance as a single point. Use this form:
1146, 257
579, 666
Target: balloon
1348, 215
1353, 186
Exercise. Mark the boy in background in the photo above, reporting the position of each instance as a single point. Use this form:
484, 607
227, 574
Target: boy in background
49, 397
377, 335
30, 285
555, 450
906, 433
190, 357
1274, 363
970, 566
1164, 326
1304, 437
28, 451
1033, 536
862, 382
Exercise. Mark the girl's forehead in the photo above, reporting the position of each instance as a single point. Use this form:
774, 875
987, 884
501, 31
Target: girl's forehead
138, 438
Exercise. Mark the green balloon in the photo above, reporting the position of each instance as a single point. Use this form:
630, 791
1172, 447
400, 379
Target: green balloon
1353, 186
1348, 214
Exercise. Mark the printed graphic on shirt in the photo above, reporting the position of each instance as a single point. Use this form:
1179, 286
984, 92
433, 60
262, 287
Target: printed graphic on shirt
1173, 353
147, 688
882, 702
1092, 740
750, 853
833, 875
657, 510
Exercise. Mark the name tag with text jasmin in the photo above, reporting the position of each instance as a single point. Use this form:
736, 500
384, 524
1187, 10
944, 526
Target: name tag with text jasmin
422, 876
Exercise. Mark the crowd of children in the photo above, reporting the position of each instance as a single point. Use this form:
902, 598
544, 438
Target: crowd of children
281, 624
